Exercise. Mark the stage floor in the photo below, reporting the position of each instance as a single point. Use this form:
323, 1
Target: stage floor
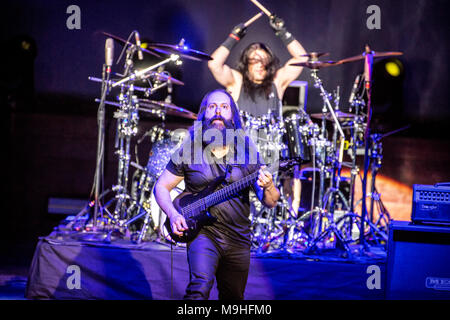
64, 267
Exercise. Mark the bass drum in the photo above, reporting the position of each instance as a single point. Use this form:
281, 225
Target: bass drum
165, 142
296, 138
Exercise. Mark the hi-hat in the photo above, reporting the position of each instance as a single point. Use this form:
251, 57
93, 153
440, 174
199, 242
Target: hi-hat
124, 42
168, 108
181, 50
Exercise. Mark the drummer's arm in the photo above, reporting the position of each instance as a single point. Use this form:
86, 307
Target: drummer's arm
296, 49
223, 74
287, 73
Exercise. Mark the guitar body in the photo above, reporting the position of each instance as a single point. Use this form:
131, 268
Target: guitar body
197, 219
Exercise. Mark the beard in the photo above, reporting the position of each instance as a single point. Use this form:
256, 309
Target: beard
222, 127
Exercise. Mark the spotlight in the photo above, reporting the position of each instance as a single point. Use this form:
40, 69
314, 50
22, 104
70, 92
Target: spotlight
394, 67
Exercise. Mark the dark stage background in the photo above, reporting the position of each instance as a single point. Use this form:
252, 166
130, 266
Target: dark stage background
49, 113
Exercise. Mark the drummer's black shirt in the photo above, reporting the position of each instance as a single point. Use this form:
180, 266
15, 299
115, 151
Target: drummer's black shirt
233, 224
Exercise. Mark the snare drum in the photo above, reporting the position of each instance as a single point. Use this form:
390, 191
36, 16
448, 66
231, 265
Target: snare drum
296, 138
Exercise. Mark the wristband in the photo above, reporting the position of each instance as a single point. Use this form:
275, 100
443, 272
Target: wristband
230, 41
285, 36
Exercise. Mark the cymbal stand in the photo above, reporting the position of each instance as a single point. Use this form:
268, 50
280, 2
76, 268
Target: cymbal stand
383, 215
99, 168
368, 64
332, 228
127, 121
358, 128
321, 144
356, 138
333, 191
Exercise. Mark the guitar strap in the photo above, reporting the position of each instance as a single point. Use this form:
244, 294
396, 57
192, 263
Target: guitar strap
225, 176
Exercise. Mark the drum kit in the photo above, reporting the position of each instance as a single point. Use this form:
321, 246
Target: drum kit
326, 216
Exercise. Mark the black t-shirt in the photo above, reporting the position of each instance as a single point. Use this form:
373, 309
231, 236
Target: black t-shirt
233, 224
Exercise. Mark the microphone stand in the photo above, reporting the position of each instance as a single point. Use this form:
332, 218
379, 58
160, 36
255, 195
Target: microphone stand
99, 169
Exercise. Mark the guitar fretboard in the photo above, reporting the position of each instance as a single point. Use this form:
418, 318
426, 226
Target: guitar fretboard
220, 195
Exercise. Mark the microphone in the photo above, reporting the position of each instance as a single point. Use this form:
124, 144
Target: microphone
355, 88
138, 45
109, 54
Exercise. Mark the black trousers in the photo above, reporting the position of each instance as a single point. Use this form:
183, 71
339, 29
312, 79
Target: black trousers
228, 264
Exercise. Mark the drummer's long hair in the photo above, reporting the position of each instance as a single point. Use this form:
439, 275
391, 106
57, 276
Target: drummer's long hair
251, 88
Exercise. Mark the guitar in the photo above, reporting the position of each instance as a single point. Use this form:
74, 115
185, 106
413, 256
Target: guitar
194, 207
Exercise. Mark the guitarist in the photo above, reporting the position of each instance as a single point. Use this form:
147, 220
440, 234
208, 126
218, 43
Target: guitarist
220, 250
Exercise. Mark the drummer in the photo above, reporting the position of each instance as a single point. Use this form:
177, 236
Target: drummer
258, 83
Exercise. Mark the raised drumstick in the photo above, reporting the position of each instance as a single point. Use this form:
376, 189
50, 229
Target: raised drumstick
256, 17
261, 7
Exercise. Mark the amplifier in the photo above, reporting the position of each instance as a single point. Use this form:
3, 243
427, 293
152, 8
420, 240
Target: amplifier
418, 262
431, 204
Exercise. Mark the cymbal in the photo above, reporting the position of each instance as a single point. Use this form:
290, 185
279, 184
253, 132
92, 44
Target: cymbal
315, 65
183, 51
124, 42
339, 115
375, 55
169, 108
